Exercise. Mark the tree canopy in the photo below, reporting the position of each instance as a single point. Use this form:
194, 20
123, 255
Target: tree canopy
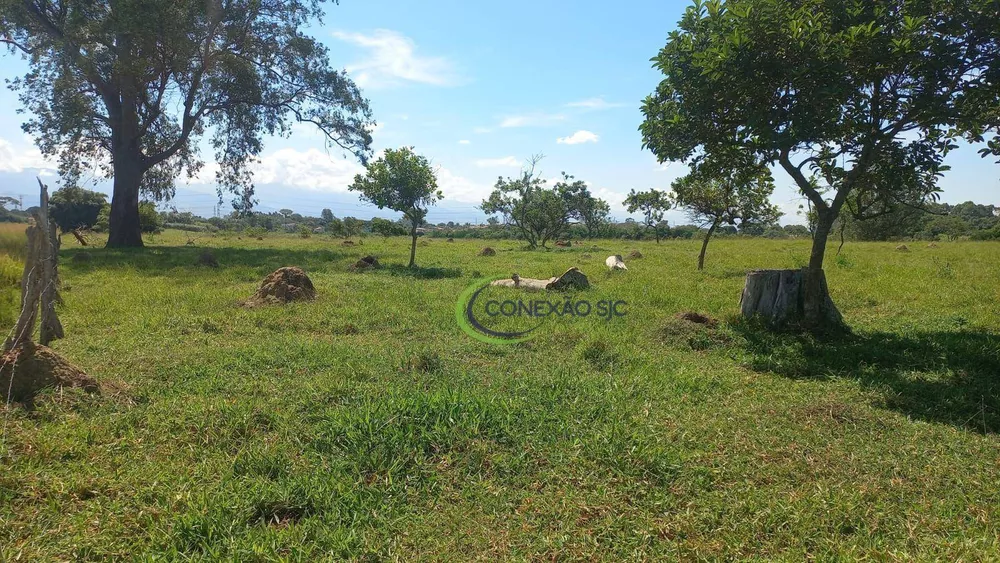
846, 96
594, 213
652, 205
131, 86
75, 208
403, 181
540, 214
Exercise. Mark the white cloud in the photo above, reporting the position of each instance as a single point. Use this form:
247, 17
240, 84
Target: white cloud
457, 188
21, 158
465, 142
531, 120
594, 104
508, 161
311, 169
663, 167
392, 60
578, 138
482, 130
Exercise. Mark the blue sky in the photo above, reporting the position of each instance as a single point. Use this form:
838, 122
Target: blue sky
478, 88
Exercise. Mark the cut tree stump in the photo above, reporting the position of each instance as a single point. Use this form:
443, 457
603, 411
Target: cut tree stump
572, 278
784, 298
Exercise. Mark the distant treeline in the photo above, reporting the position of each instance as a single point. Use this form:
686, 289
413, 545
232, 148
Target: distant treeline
936, 221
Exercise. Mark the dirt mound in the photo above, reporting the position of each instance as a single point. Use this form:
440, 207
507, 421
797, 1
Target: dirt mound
572, 278
35, 367
284, 285
206, 258
635, 254
487, 252
902, 248
366, 263
450, 239
698, 318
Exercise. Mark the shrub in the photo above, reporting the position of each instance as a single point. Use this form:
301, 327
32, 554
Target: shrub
186, 227
149, 219
76, 208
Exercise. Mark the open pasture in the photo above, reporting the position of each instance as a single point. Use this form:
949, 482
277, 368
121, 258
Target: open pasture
365, 425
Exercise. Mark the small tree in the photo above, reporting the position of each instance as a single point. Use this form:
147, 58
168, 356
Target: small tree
76, 208
386, 227
336, 227
149, 219
651, 205
326, 216
538, 213
594, 213
403, 181
351, 227
735, 197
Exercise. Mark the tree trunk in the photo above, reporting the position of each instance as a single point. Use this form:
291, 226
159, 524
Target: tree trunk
824, 224
789, 298
413, 244
704, 246
123, 222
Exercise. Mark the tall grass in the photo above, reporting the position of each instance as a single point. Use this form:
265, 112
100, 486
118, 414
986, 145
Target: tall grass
13, 247
13, 242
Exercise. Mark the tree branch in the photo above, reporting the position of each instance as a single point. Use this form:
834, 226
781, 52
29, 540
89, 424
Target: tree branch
801, 181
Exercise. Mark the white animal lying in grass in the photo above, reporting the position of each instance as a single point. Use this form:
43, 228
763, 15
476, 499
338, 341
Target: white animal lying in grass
615, 263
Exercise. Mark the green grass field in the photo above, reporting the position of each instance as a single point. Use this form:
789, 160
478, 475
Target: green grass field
365, 425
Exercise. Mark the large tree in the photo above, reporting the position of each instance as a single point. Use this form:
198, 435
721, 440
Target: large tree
131, 86
846, 96
403, 181
733, 197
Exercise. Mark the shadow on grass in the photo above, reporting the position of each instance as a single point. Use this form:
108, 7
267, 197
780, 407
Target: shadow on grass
947, 377
422, 273
179, 260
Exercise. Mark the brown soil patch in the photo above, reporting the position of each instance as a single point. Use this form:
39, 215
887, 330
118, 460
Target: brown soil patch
903, 248
487, 252
284, 285
35, 367
635, 254
366, 263
698, 318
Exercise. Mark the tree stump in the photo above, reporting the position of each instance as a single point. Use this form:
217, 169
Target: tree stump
573, 278
784, 298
